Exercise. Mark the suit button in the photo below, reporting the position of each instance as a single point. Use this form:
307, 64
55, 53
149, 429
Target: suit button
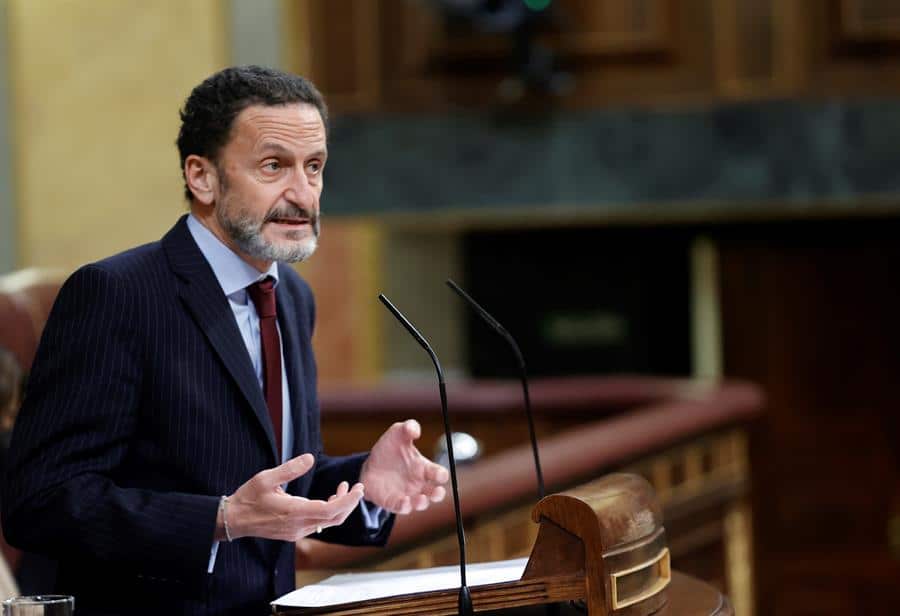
276, 572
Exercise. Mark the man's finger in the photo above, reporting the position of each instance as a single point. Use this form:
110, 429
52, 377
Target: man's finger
290, 470
412, 428
343, 488
339, 518
420, 502
320, 512
435, 473
403, 506
309, 531
435, 493
312, 531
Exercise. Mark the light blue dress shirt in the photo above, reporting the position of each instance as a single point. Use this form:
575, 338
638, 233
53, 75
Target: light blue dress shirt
234, 276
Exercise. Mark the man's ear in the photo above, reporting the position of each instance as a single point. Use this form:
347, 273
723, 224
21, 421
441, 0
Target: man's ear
202, 178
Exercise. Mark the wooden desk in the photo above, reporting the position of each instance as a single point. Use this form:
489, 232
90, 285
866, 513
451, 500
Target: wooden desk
602, 545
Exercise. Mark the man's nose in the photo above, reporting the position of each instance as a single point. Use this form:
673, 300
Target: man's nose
302, 191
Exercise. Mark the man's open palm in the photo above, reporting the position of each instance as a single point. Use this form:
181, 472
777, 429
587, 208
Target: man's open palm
399, 478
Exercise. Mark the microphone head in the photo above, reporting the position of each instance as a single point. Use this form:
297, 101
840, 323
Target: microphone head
406, 324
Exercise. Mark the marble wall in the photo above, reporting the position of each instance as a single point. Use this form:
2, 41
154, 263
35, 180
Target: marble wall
781, 157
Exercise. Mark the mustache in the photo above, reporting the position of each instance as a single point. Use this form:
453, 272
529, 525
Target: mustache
292, 211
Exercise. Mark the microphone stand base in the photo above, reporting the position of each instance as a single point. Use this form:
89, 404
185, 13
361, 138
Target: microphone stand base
464, 604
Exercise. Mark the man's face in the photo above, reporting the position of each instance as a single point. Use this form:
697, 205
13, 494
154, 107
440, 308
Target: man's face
270, 181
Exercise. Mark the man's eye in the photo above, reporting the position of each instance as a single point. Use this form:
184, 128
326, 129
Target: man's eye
314, 167
272, 166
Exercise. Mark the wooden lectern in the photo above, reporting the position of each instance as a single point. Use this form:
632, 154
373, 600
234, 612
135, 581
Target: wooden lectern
601, 545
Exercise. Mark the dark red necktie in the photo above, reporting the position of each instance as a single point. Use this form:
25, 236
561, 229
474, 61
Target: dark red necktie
263, 295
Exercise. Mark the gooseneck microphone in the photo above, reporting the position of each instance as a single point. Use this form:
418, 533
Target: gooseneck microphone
523, 375
464, 605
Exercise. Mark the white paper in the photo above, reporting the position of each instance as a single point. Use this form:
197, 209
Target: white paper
353, 587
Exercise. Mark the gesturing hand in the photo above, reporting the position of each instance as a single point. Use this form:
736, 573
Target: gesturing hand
261, 507
399, 478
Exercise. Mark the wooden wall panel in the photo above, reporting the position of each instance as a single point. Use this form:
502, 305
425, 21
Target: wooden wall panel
749, 46
573, 28
345, 277
404, 55
666, 56
809, 314
615, 28
345, 56
870, 19
846, 47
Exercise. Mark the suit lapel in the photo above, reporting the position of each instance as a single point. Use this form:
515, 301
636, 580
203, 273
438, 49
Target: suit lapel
290, 343
201, 293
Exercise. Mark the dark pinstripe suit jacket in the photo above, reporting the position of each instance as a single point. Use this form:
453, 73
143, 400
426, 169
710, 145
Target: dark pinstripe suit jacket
142, 408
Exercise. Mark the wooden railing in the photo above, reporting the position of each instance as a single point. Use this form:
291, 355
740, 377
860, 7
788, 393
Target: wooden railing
687, 439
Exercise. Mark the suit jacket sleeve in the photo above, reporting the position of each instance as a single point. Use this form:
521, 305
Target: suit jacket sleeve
329, 472
61, 494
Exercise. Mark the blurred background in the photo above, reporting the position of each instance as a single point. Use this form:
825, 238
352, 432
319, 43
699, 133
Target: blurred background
701, 189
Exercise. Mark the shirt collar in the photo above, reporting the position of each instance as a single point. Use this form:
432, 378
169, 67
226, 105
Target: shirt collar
232, 272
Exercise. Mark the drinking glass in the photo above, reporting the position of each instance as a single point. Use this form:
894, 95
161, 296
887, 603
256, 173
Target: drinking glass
39, 605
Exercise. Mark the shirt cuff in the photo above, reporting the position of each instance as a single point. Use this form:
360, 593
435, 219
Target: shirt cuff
212, 556
373, 515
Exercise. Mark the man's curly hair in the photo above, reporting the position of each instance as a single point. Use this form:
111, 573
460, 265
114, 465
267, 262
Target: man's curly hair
210, 110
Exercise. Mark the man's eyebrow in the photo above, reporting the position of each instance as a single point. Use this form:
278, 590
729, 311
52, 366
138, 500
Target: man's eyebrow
279, 149
275, 147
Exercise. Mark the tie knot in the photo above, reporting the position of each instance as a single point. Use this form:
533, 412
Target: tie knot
262, 292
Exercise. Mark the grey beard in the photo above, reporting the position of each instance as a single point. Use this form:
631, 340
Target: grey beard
246, 232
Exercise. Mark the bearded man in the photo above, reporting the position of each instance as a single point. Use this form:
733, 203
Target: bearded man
168, 450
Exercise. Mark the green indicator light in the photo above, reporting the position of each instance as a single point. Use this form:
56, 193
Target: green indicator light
537, 5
